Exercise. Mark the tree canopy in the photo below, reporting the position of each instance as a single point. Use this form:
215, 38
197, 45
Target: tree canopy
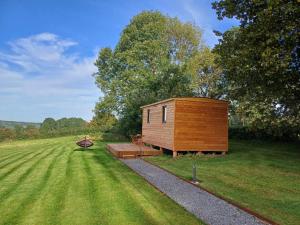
157, 57
260, 61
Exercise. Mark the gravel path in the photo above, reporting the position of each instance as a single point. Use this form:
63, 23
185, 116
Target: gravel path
205, 206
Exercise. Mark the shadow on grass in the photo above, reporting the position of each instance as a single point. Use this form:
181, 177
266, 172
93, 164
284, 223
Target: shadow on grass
83, 149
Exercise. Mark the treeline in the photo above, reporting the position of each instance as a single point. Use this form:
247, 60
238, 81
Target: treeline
255, 66
64, 126
49, 128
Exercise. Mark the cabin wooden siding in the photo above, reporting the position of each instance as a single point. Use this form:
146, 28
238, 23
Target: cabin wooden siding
156, 132
193, 124
201, 125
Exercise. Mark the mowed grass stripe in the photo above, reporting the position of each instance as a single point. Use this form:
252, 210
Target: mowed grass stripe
93, 192
25, 206
28, 160
148, 201
119, 190
78, 184
16, 178
56, 196
15, 159
10, 189
118, 185
20, 153
16, 153
10, 152
12, 155
19, 165
49, 213
23, 154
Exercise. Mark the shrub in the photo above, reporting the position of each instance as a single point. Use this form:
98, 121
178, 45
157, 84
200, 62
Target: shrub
263, 134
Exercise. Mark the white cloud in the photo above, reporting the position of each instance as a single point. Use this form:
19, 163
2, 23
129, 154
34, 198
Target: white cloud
38, 72
39, 51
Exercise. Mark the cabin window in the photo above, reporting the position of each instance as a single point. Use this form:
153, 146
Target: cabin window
148, 116
164, 114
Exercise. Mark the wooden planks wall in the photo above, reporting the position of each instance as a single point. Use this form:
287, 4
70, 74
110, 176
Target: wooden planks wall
156, 132
201, 125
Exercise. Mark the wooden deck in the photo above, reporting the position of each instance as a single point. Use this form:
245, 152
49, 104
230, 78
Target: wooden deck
129, 150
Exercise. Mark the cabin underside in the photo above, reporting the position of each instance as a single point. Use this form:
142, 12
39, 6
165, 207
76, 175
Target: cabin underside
200, 150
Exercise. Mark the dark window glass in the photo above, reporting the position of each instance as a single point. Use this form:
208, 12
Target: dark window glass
164, 114
148, 116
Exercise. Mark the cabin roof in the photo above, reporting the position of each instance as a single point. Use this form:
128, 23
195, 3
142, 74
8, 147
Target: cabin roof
200, 99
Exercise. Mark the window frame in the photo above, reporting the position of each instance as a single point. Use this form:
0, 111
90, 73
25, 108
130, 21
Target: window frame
148, 115
164, 114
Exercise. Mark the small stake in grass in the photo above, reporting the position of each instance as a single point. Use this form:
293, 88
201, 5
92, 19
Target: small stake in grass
194, 171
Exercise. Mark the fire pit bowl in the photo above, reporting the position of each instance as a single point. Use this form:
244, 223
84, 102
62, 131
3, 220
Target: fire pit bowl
85, 143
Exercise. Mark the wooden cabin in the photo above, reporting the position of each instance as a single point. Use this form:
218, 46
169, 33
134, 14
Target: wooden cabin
186, 124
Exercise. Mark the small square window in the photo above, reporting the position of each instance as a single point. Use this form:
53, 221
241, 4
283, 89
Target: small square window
164, 114
148, 116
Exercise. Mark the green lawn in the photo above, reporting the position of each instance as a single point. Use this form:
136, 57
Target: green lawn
262, 176
52, 182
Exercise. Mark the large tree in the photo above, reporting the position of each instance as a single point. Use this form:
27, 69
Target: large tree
157, 57
260, 59
48, 126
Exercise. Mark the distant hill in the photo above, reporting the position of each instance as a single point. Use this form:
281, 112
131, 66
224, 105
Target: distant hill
12, 124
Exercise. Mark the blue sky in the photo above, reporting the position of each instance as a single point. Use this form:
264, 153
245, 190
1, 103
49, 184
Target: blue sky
47, 50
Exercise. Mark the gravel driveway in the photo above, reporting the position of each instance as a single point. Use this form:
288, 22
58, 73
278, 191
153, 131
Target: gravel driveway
203, 205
